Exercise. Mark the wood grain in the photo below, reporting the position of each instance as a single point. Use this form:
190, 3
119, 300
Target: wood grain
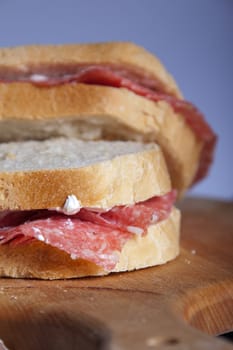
167, 307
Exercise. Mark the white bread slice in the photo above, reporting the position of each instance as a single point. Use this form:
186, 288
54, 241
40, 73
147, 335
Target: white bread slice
123, 54
41, 174
38, 260
98, 112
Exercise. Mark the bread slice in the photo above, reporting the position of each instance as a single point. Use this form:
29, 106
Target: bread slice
38, 260
40, 175
122, 54
99, 112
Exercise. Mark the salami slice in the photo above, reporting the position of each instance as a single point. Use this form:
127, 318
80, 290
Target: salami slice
15, 217
134, 218
89, 235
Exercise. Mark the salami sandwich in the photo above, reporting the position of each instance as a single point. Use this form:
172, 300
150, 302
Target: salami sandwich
111, 91
72, 208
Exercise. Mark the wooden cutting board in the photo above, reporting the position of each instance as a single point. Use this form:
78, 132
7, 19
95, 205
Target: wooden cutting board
167, 307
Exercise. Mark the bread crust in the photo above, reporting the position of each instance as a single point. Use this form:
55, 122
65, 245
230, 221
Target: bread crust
125, 179
126, 54
38, 260
33, 111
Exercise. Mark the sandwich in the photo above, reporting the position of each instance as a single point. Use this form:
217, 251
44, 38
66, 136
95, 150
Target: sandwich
71, 208
96, 144
105, 91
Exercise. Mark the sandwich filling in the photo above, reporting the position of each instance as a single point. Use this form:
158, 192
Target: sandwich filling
96, 236
121, 77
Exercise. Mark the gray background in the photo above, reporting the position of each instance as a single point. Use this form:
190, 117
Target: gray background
194, 39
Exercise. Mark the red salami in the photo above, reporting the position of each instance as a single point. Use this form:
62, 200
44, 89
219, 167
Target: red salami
133, 218
90, 235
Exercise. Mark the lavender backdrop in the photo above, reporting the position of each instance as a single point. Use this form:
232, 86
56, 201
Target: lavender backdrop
194, 39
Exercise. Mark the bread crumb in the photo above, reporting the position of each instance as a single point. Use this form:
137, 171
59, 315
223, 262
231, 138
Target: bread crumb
153, 341
10, 155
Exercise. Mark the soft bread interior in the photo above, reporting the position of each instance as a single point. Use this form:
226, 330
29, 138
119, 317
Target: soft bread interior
40, 175
38, 260
87, 128
99, 112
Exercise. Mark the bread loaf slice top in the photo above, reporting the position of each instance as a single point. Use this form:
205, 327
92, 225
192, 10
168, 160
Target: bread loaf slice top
124, 54
42, 174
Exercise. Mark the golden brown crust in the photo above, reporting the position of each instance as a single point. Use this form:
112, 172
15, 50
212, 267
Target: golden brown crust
38, 260
124, 179
121, 113
121, 53
159, 245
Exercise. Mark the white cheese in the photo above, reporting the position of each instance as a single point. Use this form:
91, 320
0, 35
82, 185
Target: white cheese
40, 237
71, 206
38, 77
73, 256
134, 229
